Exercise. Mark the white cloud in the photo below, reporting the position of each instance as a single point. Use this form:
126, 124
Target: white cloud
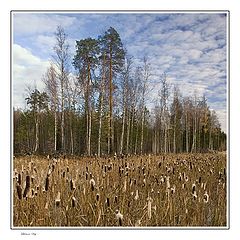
27, 71
29, 23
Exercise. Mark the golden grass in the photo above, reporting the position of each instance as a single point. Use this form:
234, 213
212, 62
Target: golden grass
172, 190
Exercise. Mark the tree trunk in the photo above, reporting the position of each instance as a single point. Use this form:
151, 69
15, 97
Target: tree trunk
142, 125
100, 125
89, 133
123, 128
55, 130
136, 141
187, 144
111, 132
62, 114
174, 135
128, 132
71, 134
101, 107
89, 114
36, 134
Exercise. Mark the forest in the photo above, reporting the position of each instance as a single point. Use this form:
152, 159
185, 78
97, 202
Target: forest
102, 101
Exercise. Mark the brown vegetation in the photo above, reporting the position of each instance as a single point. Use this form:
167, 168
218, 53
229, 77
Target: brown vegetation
166, 190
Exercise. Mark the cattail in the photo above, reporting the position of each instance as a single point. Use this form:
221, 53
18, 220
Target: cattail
58, 200
92, 183
32, 193
49, 171
168, 182
53, 167
116, 199
97, 197
19, 191
72, 185
162, 179
190, 165
63, 175
173, 189
19, 179
205, 197
199, 180
47, 183
27, 187
73, 202
32, 179
108, 202
138, 223
144, 182
119, 217
149, 212
194, 195
193, 188
180, 177
30, 166
125, 185
136, 196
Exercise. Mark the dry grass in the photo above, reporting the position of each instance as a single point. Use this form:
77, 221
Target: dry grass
171, 190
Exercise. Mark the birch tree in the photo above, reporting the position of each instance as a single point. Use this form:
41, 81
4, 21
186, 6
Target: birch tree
61, 61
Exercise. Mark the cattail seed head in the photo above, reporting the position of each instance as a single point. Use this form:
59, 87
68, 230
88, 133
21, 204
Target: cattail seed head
58, 200
92, 183
19, 192
72, 185
108, 202
27, 187
32, 179
47, 183
138, 223
97, 197
119, 217
167, 182
199, 179
173, 189
194, 195
136, 196
73, 202
149, 212
193, 188
205, 197
19, 179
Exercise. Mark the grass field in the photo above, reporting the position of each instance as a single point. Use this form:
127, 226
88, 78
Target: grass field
171, 190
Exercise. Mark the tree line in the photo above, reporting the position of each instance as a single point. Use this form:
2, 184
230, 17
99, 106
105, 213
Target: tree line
103, 107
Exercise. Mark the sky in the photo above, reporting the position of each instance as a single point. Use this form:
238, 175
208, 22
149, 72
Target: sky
191, 48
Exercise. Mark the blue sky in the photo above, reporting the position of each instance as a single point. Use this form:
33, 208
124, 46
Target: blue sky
189, 47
